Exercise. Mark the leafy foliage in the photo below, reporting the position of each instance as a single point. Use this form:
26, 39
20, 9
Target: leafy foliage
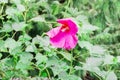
25, 51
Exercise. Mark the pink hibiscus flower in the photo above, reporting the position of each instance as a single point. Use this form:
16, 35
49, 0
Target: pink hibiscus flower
64, 36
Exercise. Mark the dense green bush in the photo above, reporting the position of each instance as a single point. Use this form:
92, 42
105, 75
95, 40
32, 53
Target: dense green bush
25, 51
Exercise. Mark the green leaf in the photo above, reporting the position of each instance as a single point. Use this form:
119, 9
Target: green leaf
40, 58
118, 59
66, 55
44, 74
43, 41
72, 11
93, 62
22, 66
52, 61
11, 11
17, 1
0, 55
8, 62
25, 61
111, 76
25, 58
57, 69
55, 7
47, 49
73, 77
93, 49
56, 65
82, 18
85, 44
87, 28
92, 69
108, 59
2, 46
31, 48
21, 7
97, 49
11, 43
66, 14
38, 19
65, 76
19, 26
7, 27
4, 1
16, 50
24, 38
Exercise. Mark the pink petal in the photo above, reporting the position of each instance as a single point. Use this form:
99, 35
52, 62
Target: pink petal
53, 32
58, 40
66, 41
63, 21
70, 42
71, 24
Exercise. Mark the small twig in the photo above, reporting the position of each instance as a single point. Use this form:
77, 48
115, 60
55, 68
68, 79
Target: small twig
14, 34
2, 8
71, 63
48, 74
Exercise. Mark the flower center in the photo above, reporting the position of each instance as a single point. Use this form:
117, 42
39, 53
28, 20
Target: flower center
64, 28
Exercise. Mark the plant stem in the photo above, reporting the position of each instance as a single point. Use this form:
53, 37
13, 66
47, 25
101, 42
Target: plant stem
71, 63
2, 8
14, 34
48, 74
68, 3
97, 76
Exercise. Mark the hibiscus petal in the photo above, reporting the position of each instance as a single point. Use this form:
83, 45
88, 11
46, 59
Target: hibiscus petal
71, 24
73, 27
58, 40
70, 42
53, 32
63, 21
